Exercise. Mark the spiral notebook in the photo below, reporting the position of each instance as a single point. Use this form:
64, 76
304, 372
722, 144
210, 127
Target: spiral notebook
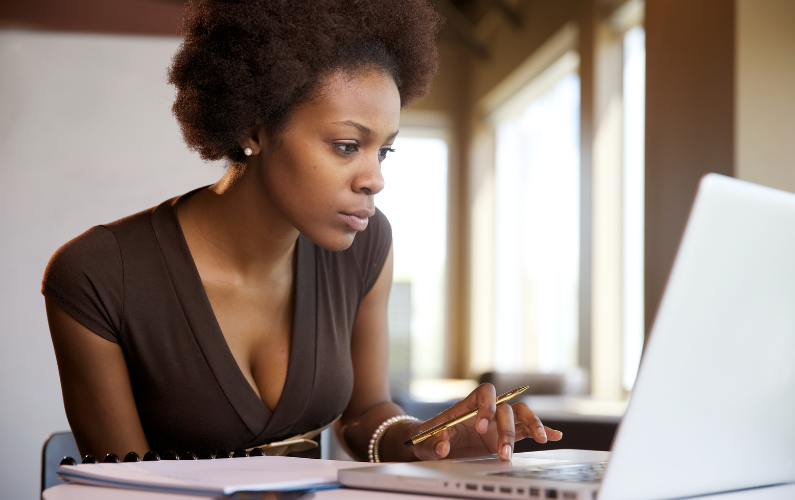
212, 477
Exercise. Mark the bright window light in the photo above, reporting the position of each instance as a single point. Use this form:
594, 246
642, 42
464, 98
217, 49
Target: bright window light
634, 133
415, 202
538, 232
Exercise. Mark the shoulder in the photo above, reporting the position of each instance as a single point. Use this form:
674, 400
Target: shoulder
371, 247
95, 251
85, 277
86, 253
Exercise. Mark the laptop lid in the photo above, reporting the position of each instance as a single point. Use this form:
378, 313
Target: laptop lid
713, 407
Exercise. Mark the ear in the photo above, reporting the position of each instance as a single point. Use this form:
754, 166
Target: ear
256, 140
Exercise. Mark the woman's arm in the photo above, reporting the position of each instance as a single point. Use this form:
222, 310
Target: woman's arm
97, 394
493, 430
371, 403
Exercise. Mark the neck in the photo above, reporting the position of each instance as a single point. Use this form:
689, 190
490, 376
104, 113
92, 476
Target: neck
235, 224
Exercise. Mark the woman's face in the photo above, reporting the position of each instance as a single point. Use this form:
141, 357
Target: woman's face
323, 171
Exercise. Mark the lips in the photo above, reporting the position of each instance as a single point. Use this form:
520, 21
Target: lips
358, 219
362, 214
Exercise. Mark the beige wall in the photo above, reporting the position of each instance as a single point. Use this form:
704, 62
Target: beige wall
689, 120
86, 137
765, 97
449, 87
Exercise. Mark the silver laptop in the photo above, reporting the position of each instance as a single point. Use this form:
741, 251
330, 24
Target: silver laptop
713, 409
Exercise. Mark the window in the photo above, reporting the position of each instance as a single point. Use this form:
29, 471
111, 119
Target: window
542, 297
537, 226
415, 201
633, 180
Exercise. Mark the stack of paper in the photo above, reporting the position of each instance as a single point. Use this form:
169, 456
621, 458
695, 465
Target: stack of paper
213, 477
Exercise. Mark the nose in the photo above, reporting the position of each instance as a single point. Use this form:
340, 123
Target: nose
369, 179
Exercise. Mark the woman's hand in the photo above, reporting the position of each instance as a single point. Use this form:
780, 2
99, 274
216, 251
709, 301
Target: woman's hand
493, 430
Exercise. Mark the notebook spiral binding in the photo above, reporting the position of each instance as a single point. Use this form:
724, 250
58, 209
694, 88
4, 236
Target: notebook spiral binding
298, 443
153, 456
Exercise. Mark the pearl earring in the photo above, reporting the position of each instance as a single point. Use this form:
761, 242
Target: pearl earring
247, 151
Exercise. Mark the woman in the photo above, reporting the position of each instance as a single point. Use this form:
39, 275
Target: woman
254, 309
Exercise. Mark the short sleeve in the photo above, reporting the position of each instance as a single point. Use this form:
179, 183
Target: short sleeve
85, 277
371, 248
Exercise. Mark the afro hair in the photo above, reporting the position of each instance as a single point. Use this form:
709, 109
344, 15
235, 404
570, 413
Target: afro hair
245, 63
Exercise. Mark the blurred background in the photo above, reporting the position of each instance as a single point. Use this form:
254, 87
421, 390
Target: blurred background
559, 151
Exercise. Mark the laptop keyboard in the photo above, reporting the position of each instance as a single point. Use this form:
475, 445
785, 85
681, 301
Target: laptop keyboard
573, 473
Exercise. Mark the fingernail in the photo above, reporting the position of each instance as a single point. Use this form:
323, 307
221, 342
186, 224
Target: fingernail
483, 425
440, 448
541, 433
507, 452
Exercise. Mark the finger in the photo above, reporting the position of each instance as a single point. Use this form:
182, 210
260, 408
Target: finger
534, 428
434, 448
522, 432
467, 404
506, 431
552, 434
486, 403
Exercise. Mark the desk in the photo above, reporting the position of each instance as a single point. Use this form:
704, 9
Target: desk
80, 492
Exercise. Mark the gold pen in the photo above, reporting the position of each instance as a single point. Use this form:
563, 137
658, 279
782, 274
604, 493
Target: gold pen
422, 436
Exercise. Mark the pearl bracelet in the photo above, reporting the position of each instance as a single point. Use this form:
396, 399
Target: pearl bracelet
372, 450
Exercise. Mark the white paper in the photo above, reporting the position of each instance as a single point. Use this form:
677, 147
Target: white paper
212, 477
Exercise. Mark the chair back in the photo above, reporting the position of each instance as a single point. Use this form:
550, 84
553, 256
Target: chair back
57, 446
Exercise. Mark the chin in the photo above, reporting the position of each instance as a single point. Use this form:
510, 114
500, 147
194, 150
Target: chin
337, 241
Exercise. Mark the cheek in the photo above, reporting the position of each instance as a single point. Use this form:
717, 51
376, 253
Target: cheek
309, 194
317, 186
305, 188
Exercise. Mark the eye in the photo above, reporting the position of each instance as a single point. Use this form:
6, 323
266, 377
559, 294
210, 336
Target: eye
347, 148
382, 153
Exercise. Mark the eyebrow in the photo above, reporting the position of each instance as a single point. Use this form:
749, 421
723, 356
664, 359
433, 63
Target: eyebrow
365, 130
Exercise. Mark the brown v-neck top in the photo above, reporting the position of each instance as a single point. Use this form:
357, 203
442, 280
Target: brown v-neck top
134, 282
